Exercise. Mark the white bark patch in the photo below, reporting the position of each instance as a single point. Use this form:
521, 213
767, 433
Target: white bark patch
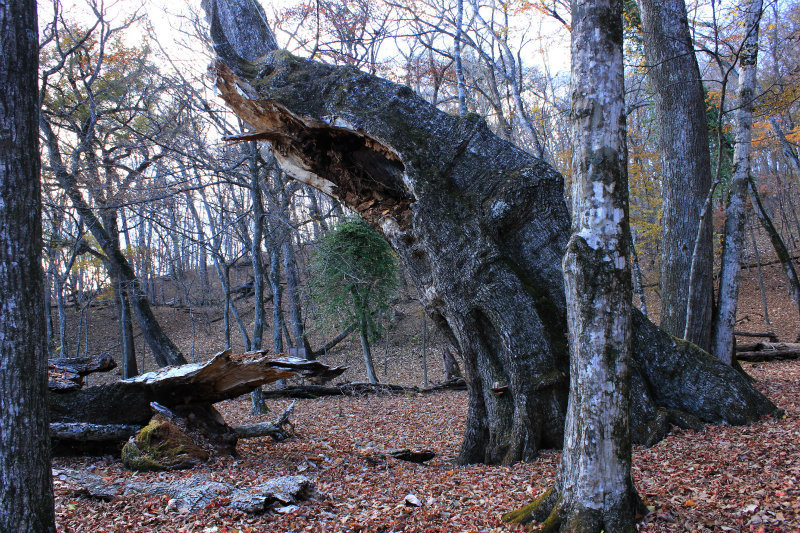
600, 222
390, 227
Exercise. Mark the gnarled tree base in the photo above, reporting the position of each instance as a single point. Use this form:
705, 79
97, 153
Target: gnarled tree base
554, 511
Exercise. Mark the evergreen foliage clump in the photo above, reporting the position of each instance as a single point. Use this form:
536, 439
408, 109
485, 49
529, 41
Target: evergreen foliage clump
353, 276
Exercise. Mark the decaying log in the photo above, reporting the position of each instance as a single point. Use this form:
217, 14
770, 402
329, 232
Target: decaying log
768, 351
185, 392
189, 494
279, 429
223, 377
360, 389
65, 374
769, 335
163, 445
285, 490
379, 456
80, 431
413, 456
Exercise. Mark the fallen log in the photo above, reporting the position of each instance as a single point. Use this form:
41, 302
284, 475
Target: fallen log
360, 389
67, 373
769, 335
188, 391
768, 351
80, 431
223, 377
279, 429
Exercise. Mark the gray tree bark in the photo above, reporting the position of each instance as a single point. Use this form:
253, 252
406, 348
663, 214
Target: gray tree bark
26, 490
722, 341
594, 489
481, 227
685, 165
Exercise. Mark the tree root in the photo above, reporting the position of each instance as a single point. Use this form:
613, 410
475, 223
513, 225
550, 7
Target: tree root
551, 513
546, 509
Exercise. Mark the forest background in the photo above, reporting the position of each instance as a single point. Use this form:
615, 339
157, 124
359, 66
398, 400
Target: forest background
133, 138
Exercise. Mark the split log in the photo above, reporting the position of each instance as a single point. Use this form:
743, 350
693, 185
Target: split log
224, 377
186, 392
67, 373
768, 351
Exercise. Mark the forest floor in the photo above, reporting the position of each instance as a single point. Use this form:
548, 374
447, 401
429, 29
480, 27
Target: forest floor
719, 479
743, 479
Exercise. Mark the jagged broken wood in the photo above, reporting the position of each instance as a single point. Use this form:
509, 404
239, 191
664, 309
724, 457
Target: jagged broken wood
188, 391
67, 373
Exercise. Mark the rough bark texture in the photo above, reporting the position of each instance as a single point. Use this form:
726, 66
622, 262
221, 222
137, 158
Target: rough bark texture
481, 227
67, 373
594, 489
722, 342
685, 165
26, 490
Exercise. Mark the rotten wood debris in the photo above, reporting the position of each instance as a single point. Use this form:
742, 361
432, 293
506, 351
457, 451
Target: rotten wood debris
190, 494
767, 351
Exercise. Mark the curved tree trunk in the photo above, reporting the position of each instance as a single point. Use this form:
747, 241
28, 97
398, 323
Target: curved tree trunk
481, 227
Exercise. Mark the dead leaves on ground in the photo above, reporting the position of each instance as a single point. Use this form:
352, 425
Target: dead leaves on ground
743, 479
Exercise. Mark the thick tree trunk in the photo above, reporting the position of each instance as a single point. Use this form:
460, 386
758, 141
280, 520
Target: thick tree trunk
481, 227
26, 490
594, 489
723, 341
685, 163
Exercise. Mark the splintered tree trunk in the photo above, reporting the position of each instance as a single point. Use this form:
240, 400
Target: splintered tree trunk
26, 490
481, 227
594, 490
722, 341
685, 164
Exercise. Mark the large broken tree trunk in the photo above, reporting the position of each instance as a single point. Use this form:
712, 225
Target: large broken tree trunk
108, 413
481, 227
